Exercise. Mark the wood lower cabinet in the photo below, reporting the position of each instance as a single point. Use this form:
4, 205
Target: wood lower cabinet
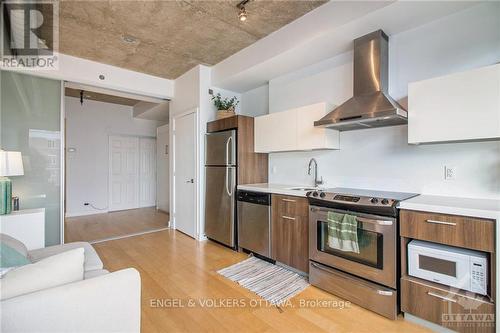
289, 230
457, 312
467, 232
456, 309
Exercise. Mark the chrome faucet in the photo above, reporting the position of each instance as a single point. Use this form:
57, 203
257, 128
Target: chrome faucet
316, 180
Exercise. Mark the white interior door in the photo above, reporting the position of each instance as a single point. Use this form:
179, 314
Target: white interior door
185, 181
123, 172
162, 173
147, 172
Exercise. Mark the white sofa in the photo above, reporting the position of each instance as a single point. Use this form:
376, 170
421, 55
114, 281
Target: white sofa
101, 302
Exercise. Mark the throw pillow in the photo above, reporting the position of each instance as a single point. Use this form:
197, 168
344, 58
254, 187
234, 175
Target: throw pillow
59, 269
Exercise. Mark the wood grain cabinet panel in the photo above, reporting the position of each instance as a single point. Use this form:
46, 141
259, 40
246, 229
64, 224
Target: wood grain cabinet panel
289, 229
445, 308
454, 230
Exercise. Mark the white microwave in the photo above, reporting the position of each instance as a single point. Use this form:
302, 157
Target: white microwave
452, 266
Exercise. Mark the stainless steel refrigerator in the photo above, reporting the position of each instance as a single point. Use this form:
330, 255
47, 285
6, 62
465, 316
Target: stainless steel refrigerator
220, 186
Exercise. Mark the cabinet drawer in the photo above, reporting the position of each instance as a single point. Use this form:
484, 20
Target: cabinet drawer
290, 206
369, 295
445, 308
467, 232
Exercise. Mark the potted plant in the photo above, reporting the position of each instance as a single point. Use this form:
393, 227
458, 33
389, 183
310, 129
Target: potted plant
225, 106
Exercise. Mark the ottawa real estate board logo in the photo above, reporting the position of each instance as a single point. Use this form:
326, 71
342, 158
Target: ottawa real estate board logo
29, 34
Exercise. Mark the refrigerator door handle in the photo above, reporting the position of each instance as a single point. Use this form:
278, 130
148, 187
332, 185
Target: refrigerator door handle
227, 149
228, 179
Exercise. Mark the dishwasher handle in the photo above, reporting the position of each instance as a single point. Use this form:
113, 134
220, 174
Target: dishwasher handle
258, 198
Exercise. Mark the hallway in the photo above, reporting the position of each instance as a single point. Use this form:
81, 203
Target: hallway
97, 227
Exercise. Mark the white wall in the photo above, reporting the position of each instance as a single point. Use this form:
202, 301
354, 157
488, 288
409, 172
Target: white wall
191, 92
381, 158
162, 168
255, 102
87, 130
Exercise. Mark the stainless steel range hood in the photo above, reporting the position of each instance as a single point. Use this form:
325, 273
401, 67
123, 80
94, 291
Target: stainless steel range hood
371, 105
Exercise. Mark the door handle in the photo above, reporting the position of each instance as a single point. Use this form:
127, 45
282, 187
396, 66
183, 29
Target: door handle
288, 218
227, 149
444, 298
441, 222
190, 181
230, 193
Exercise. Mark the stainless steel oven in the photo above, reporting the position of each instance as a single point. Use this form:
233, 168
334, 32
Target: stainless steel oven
368, 278
376, 259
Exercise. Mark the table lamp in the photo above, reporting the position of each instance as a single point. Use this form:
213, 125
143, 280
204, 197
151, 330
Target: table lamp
11, 164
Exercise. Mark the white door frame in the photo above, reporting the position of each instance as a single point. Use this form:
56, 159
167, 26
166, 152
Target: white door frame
198, 233
163, 128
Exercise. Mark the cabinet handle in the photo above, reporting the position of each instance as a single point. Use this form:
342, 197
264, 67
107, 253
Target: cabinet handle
288, 218
430, 293
288, 200
441, 222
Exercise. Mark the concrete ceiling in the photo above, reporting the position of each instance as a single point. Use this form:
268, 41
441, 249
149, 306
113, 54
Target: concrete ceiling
95, 96
169, 37
323, 34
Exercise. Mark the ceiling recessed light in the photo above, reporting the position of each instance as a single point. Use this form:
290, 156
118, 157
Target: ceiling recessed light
129, 39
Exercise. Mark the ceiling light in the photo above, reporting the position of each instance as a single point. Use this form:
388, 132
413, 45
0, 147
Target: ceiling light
243, 14
129, 39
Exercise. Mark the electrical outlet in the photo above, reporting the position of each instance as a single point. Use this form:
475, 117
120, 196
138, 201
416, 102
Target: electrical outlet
450, 172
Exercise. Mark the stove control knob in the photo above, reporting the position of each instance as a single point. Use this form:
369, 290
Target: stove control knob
315, 194
385, 201
322, 194
374, 200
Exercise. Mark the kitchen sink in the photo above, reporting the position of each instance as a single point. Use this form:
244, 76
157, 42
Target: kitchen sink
302, 188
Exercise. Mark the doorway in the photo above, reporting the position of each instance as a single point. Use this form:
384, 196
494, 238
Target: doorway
111, 165
185, 172
132, 172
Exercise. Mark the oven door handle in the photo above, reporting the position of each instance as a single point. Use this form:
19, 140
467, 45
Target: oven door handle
379, 222
359, 218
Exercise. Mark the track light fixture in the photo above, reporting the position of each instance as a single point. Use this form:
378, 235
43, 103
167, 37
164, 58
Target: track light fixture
242, 15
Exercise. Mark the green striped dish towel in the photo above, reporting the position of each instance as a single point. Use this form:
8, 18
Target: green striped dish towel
343, 232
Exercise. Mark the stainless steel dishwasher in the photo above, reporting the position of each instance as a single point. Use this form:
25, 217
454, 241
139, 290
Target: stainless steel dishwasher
254, 222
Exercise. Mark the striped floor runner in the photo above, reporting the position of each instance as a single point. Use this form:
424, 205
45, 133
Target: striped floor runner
273, 283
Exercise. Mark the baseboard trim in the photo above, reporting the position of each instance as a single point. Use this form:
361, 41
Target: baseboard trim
129, 235
86, 213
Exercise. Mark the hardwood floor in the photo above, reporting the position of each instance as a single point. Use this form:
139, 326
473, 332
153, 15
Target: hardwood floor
176, 269
103, 226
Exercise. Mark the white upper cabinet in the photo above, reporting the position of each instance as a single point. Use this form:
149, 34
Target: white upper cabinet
458, 107
294, 130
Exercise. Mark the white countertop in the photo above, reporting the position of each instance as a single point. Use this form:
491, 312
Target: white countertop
276, 189
485, 208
